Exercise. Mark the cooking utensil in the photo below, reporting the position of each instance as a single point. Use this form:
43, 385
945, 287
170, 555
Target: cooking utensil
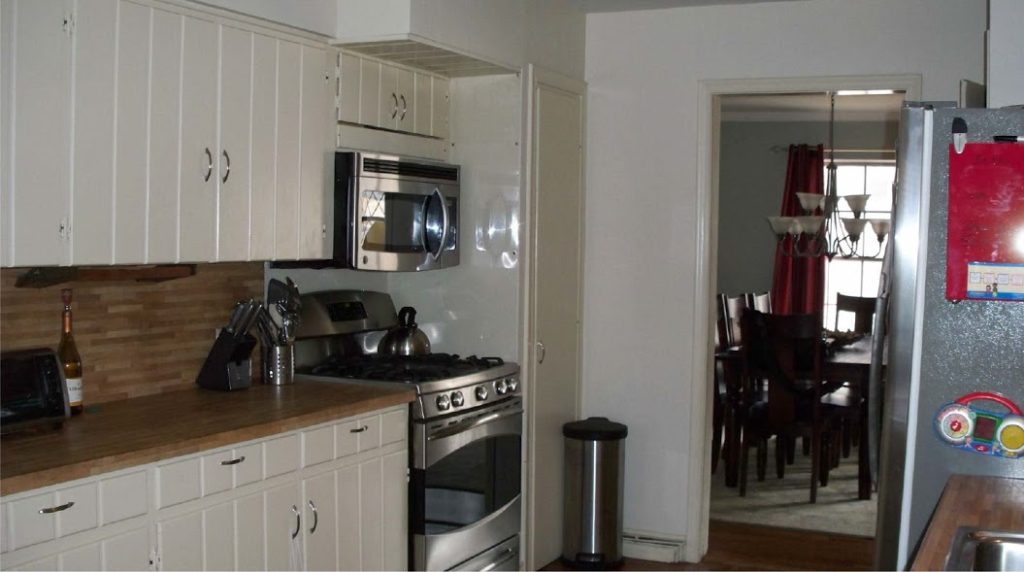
405, 339
236, 316
294, 299
276, 291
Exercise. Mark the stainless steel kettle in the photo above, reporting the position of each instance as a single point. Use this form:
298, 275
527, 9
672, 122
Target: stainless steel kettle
405, 339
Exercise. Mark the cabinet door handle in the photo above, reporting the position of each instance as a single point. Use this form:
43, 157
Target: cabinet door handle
316, 517
404, 109
541, 352
233, 461
227, 162
394, 110
358, 429
53, 509
209, 165
298, 521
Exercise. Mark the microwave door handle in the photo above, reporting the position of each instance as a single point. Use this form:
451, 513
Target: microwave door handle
445, 221
423, 227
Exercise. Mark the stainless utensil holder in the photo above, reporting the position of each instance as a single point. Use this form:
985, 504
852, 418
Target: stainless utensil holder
279, 365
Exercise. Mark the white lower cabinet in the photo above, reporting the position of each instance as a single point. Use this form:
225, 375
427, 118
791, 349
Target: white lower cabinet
268, 504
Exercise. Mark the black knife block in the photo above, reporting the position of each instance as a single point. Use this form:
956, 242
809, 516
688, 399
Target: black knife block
228, 366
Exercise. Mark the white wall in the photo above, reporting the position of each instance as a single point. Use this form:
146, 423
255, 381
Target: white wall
643, 71
1006, 53
318, 16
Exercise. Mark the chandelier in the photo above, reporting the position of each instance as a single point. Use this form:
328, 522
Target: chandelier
820, 231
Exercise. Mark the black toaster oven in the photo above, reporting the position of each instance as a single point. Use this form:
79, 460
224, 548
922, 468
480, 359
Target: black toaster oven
32, 389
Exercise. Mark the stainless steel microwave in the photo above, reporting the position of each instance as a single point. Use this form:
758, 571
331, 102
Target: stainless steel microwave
395, 213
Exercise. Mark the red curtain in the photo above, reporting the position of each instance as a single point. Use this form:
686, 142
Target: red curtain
798, 284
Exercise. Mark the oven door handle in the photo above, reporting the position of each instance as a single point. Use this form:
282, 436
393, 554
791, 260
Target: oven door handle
468, 424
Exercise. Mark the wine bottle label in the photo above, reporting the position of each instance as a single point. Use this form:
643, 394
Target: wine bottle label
74, 390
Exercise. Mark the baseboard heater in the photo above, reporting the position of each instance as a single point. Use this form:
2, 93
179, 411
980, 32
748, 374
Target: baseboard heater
645, 547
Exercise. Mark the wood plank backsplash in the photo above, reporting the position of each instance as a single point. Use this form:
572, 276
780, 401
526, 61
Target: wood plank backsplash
135, 338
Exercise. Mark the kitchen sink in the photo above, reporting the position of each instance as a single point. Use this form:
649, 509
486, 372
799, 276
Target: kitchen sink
980, 549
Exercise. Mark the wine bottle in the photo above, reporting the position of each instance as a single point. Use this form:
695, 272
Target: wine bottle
68, 354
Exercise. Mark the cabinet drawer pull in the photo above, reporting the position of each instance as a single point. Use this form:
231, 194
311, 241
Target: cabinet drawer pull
316, 517
359, 429
233, 461
298, 521
53, 509
227, 162
209, 165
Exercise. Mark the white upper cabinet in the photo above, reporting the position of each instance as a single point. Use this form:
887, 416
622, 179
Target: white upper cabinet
235, 143
379, 94
199, 146
36, 122
159, 135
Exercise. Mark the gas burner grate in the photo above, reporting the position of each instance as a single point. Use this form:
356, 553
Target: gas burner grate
407, 369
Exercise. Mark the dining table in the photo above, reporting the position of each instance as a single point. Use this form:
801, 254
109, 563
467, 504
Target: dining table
848, 364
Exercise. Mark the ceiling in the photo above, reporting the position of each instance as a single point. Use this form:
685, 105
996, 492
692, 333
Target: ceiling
810, 107
591, 6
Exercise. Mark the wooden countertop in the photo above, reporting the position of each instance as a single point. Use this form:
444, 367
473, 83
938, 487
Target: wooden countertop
121, 434
995, 503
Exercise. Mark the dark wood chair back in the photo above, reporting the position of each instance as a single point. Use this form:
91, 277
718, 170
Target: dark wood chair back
786, 351
761, 302
863, 310
721, 324
734, 307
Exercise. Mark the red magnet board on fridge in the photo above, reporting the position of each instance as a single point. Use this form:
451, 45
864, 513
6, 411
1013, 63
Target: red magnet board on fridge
985, 231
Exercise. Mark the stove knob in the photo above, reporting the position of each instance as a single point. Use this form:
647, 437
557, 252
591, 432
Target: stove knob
457, 399
481, 393
513, 384
442, 403
501, 387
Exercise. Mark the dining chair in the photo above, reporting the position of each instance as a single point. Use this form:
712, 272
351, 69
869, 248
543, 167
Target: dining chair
719, 401
762, 302
787, 351
734, 306
863, 309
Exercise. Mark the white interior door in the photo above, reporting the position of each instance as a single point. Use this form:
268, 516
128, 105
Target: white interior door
555, 299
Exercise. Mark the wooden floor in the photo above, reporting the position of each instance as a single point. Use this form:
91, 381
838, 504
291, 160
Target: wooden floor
734, 546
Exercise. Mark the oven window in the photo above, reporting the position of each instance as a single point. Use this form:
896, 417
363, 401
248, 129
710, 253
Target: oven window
471, 483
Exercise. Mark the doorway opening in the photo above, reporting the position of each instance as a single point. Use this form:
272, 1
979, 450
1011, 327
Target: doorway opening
744, 144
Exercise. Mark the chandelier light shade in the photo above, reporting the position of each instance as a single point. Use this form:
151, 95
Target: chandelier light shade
820, 231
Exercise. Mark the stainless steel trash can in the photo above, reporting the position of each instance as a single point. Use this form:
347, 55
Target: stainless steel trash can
594, 459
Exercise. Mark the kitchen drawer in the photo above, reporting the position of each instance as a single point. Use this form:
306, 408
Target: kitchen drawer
251, 469
346, 438
218, 471
369, 433
124, 496
178, 482
317, 445
69, 510
282, 455
394, 426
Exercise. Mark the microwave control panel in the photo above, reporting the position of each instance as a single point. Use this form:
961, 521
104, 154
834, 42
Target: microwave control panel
964, 425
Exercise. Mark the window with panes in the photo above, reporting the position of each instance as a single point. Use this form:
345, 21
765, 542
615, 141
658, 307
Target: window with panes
860, 274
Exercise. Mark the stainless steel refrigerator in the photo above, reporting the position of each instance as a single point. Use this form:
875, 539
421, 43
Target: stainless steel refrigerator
938, 350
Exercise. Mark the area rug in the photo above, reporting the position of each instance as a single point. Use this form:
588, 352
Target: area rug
784, 502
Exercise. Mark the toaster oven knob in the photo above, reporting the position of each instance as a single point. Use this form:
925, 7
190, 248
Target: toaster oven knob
481, 393
443, 403
457, 399
501, 387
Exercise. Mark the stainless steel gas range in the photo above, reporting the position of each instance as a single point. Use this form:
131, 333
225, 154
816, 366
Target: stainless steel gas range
465, 431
